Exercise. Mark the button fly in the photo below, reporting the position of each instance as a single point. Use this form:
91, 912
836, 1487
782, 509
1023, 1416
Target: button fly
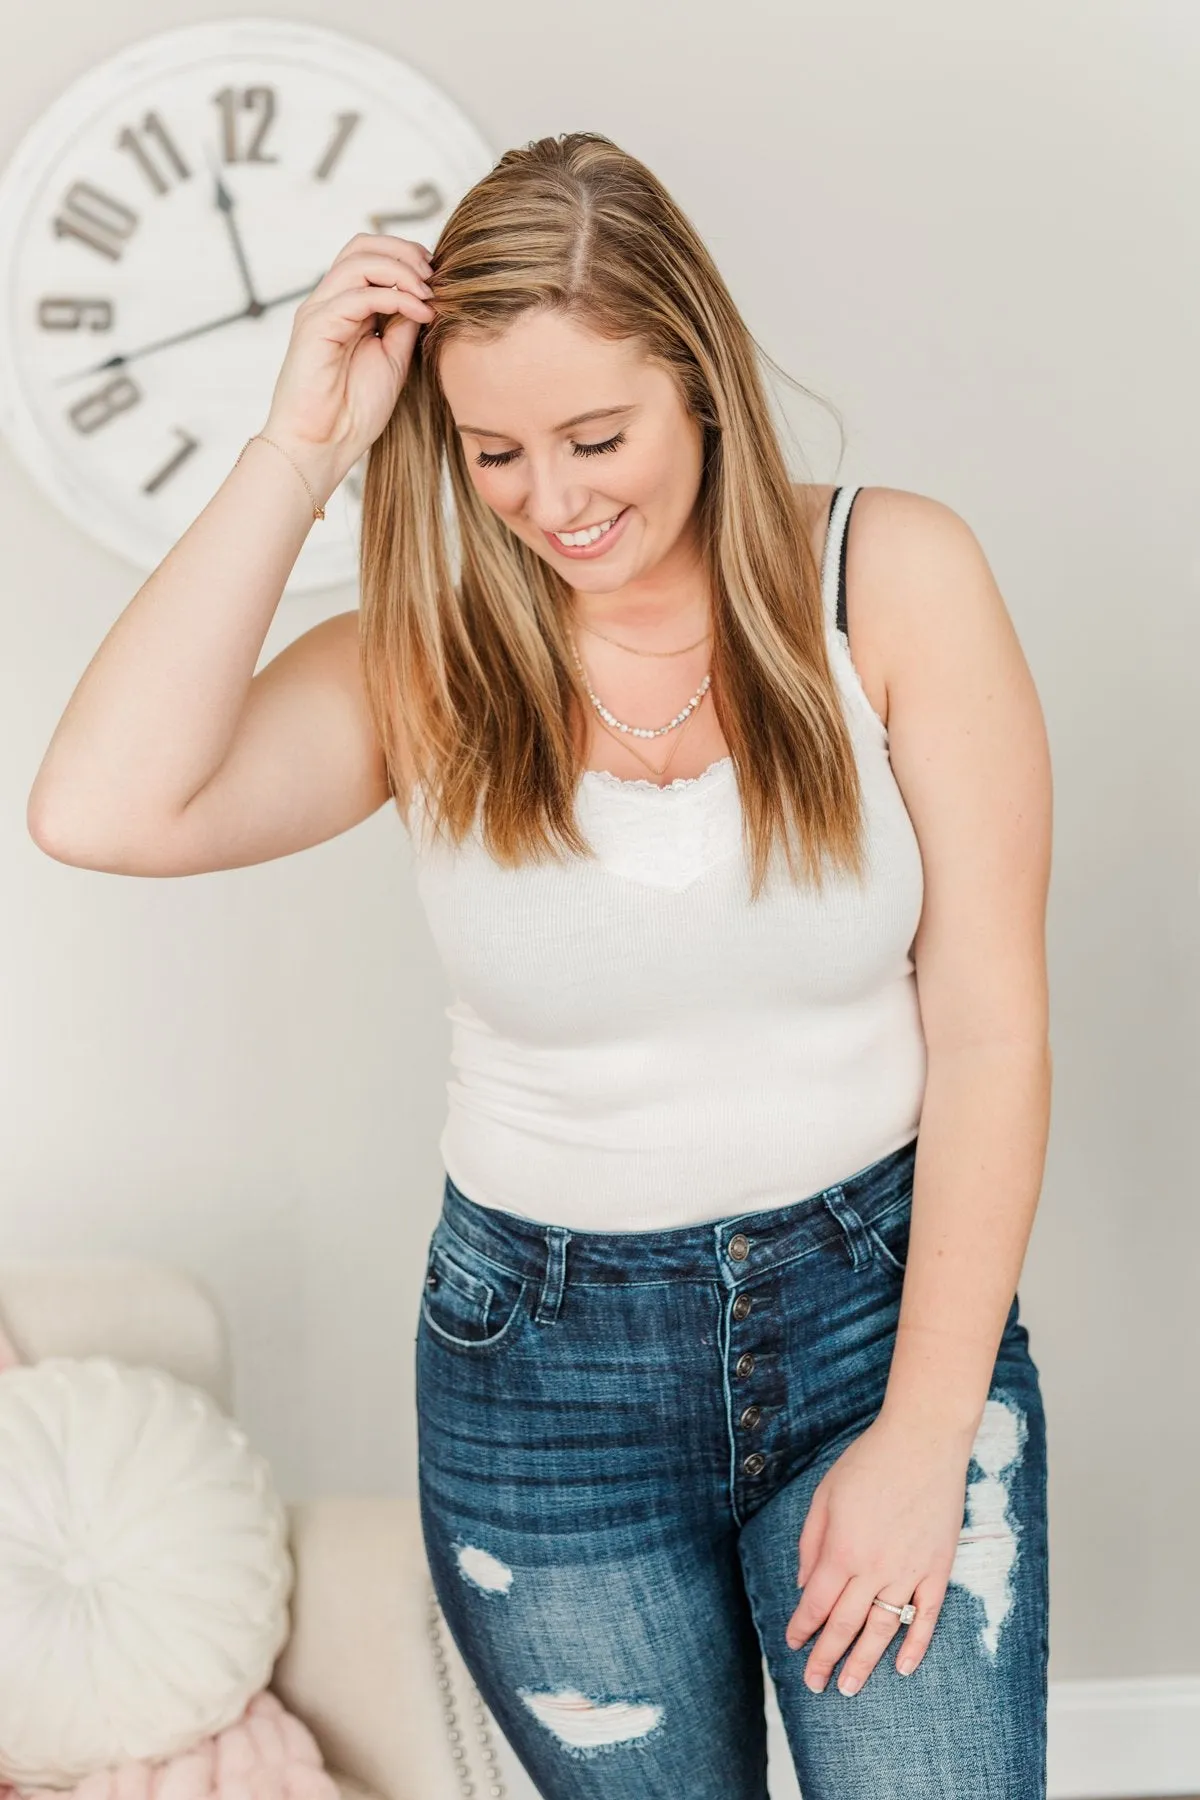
742, 1305
744, 1365
739, 1247
750, 1417
755, 1463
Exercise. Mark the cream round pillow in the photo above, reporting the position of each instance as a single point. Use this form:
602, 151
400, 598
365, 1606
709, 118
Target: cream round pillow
144, 1568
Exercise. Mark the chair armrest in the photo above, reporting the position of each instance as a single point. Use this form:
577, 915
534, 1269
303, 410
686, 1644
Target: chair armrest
358, 1665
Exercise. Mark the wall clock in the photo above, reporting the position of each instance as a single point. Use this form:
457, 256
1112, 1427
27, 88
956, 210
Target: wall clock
160, 223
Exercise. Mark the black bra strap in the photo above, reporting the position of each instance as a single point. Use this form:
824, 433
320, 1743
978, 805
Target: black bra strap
841, 591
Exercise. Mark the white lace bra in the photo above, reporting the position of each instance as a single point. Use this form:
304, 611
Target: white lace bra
635, 1044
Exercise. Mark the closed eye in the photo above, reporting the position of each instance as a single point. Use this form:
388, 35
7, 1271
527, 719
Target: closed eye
488, 459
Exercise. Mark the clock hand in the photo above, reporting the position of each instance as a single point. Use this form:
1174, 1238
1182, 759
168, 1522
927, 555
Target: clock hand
122, 357
224, 202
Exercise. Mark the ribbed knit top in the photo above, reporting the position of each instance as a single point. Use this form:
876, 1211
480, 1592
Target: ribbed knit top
637, 1045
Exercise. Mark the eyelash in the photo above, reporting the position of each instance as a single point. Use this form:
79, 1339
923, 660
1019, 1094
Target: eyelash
501, 458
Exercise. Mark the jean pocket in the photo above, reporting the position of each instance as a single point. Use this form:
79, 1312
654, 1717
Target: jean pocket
889, 1235
469, 1303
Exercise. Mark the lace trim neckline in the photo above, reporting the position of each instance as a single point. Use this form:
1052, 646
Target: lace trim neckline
607, 779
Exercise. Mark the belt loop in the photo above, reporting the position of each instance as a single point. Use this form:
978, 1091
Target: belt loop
854, 1232
550, 1298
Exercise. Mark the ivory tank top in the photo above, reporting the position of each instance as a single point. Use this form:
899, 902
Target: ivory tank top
635, 1044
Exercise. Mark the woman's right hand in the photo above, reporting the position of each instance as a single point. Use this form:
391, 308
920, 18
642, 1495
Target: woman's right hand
340, 381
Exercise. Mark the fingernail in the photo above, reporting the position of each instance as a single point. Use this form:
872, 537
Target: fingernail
904, 1666
849, 1684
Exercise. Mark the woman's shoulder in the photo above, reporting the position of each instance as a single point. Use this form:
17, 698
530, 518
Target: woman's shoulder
895, 541
887, 517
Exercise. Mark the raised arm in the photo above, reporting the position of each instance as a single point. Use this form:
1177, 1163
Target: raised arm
173, 757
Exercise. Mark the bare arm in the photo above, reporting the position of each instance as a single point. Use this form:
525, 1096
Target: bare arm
157, 710
303, 765
969, 749
173, 756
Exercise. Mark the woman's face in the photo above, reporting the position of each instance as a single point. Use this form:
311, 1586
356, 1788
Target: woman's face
516, 401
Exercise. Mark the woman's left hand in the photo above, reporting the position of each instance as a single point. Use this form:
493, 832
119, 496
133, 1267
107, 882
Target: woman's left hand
884, 1522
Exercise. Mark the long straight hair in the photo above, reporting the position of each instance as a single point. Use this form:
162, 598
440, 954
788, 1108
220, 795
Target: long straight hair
469, 666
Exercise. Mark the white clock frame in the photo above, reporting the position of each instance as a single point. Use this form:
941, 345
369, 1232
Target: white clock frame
56, 214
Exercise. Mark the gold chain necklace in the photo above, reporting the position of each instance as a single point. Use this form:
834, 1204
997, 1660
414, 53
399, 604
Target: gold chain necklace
634, 651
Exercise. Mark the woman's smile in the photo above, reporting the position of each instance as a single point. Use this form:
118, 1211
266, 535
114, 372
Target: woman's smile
582, 543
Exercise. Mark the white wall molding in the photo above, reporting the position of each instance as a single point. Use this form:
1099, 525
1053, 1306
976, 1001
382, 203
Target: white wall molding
1112, 1739
1109, 1740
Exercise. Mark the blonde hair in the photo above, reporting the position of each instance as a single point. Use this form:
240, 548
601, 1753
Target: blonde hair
471, 670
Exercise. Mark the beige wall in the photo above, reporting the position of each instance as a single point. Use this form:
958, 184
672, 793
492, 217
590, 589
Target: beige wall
974, 229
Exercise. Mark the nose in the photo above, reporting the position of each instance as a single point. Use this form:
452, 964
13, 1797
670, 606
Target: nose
557, 498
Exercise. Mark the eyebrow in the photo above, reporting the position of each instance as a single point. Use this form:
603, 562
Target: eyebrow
599, 412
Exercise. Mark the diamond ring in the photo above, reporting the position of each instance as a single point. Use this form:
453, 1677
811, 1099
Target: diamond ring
906, 1613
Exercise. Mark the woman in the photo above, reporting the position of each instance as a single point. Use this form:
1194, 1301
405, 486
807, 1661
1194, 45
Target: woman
717, 1358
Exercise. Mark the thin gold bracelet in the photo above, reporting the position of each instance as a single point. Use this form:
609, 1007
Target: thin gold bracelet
318, 511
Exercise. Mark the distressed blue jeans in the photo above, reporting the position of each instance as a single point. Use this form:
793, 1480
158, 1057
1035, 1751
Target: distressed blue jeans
619, 1437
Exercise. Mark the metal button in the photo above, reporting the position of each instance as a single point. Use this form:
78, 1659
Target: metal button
755, 1463
739, 1247
742, 1305
750, 1417
744, 1365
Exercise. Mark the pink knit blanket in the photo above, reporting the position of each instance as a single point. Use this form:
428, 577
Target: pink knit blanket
267, 1754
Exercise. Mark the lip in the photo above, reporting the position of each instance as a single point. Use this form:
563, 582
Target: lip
584, 552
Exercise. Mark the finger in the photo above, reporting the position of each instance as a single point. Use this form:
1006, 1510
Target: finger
360, 303
928, 1600
879, 1628
381, 271
398, 338
382, 242
394, 333
821, 1593
846, 1619
373, 265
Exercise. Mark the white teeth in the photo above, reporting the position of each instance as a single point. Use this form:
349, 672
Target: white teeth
589, 536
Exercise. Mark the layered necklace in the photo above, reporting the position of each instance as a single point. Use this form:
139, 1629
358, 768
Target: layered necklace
618, 728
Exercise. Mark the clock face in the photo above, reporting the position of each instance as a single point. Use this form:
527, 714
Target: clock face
159, 226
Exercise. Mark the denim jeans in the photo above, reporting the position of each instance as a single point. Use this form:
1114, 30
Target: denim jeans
619, 1437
